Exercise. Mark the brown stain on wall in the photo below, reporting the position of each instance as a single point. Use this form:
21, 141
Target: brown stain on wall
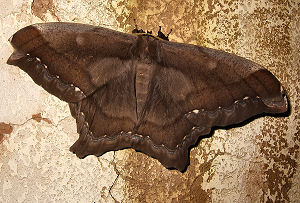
38, 117
253, 181
5, 128
280, 166
39, 8
148, 181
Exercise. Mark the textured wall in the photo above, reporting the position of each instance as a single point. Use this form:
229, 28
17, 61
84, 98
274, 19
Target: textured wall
258, 162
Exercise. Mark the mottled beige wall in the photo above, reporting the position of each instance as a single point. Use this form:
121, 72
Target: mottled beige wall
258, 162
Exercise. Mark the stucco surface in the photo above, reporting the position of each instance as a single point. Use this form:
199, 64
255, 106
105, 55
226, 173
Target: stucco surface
256, 162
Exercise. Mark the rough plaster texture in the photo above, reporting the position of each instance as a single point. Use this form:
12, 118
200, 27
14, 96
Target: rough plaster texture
258, 162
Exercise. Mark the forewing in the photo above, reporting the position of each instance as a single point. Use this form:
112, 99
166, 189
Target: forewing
62, 56
220, 82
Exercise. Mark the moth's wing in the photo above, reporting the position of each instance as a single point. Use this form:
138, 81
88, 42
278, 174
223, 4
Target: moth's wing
60, 56
89, 67
220, 80
196, 88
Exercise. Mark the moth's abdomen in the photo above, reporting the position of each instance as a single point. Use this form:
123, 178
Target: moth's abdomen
142, 80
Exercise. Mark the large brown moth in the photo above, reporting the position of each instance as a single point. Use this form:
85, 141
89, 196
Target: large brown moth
141, 92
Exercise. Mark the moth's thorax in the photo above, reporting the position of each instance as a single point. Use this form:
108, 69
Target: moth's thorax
146, 48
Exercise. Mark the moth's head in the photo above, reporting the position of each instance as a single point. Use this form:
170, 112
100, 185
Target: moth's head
160, 34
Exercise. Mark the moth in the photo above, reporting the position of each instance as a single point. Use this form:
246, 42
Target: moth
142, 91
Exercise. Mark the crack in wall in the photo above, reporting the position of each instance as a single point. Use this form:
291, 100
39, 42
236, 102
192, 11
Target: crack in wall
114, 182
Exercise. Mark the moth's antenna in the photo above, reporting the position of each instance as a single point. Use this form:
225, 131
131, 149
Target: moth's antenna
159, 29
136, 30
136, 27
161, 35
169, 33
